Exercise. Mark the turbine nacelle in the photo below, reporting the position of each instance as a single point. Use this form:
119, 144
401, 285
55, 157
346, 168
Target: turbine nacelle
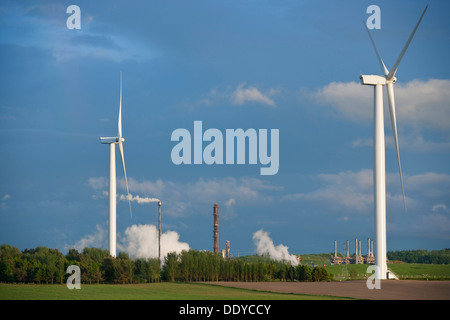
375, 80
109, 140
372, 80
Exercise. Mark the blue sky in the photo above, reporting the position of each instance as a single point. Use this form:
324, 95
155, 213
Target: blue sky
287, 65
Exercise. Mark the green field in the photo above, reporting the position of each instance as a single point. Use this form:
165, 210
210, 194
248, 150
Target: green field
411, 271
151, 291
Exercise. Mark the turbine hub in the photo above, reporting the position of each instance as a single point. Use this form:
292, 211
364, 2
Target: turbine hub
394, 80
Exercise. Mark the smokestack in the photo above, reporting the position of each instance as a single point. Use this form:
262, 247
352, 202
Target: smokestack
347, 249
216, 228
368, 247
371, 248
356, 250
335, 248
228, 249
159, 230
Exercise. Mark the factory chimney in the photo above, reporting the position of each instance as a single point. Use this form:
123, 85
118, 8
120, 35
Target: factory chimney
371, 248
216, 228
335, 248
159, 230
347, 250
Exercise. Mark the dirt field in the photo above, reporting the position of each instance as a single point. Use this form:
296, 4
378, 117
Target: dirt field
390, 289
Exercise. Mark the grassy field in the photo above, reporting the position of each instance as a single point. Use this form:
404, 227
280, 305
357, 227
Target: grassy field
411, 271
414, 271
153, 291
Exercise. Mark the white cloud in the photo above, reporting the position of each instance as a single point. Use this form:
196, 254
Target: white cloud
3, 205
419, 104
363, 142
439, 208
97, 183
351, 193
341, 192
424, 226
182, 199
230, 202
424, 103
145, 187
96, 240
349, 99
412, 142
48, 31
427, 180
241, 95
251, 94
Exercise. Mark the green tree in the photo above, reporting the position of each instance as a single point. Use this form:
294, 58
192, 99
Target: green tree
91, 260
320, 274
170, 266
110, 269
8, 256
7, 271
186, 265
303, 273
21, 266
154, 269
125, 268
73, 256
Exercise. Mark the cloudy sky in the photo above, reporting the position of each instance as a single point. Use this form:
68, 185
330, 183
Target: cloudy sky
288, 65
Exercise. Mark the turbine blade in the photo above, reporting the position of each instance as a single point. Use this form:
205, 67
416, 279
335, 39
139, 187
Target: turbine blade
391, 74
125, 174
390, 91
120, 110
383, 67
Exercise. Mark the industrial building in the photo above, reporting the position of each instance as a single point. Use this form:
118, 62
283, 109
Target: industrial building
357, 257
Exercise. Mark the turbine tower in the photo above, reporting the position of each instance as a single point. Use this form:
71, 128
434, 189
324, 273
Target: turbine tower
112, 141
379, 173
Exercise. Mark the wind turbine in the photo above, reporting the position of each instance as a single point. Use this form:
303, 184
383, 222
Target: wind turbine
379, 171
112, 141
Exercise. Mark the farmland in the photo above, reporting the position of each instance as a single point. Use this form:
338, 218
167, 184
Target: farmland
150, 291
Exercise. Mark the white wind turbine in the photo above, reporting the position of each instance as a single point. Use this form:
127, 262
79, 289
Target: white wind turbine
379, 173
112, 141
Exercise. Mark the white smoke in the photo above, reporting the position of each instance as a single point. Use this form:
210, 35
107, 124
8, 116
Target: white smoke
264, 246
141, 241
137, 199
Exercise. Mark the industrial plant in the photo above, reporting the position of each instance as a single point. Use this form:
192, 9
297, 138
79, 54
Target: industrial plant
357, 258
344, 258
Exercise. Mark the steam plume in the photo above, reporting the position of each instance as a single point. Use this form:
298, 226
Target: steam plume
264, 246
137, 198
141, 241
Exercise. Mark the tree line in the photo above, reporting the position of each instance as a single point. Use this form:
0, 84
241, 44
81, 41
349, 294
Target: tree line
195, 265
421, 256
44, 265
